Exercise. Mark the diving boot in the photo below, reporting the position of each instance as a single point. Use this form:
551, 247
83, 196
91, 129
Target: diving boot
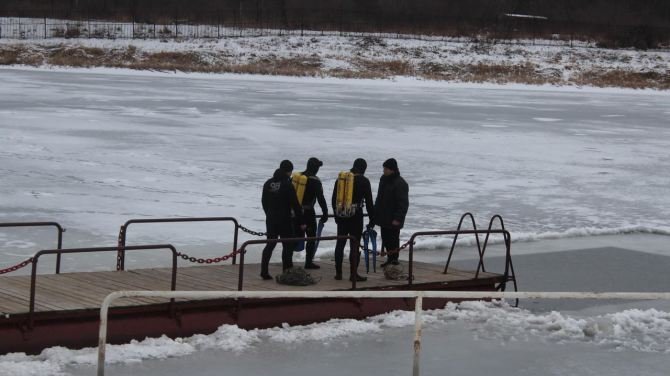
338, 276
359, 278
311, 265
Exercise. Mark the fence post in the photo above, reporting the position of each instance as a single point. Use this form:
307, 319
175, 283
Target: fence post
418, 308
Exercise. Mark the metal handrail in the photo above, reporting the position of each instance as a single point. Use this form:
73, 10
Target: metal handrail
417, 295
455, 232
453, 244
486, 240
508, 260
121, 257
60, 228
33, 275
242, 251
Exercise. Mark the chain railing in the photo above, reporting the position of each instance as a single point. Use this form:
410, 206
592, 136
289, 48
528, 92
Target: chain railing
120, 256
409, 245
16, 267
215, 260
25, 263
33, 275
251, 232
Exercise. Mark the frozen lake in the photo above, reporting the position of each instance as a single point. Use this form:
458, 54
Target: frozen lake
569, 169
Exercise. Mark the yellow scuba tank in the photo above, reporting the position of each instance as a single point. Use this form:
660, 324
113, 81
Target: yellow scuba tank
299, 183
339, 201
345, 194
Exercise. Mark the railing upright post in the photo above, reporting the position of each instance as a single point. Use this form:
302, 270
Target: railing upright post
33, 281
120, 253
237, 230
410, 277
240, 282
353, 264
418, 309
102, 332
60, 246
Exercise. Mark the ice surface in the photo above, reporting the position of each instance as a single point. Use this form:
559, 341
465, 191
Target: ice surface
92, 150
565, 167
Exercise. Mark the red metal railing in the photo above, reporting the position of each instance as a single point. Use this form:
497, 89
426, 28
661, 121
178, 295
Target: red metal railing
512, 276
120, 257
505, 233
33, 275
453, 244
60, 229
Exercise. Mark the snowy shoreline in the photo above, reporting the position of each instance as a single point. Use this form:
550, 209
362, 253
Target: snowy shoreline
357, 57
396, 81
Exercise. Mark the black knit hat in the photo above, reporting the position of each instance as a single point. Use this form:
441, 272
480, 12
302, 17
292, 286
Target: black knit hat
286, 165
360, 165
391, 164
314, 163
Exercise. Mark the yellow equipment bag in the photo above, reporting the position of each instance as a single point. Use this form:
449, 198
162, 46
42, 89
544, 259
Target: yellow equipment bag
299, 183
345, 195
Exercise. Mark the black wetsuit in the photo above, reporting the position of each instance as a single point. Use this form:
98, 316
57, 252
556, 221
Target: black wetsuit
353, 225
313, 193
391, 205
281, 208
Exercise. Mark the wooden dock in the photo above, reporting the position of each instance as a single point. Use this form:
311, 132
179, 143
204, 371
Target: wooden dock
67, 304
81, 291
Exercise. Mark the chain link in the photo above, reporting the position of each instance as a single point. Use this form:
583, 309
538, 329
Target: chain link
16, 267
252, 232
215, 260
394, 251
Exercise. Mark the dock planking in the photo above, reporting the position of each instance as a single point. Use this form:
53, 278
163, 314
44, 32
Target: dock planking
86, 290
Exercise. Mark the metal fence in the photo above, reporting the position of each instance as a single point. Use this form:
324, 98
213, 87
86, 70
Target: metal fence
46, 28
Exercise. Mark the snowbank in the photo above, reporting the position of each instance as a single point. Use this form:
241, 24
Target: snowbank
632, 330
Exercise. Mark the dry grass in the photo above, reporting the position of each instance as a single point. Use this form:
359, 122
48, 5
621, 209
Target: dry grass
497, 73
386, 68
348, 73
187, 61
310, 66
77, 57
10, 56
500, 73
181, 61
621, 78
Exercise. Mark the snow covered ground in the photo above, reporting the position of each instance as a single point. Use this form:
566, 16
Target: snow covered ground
567, 168
332, 54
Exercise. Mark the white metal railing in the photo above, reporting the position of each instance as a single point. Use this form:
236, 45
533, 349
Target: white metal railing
418, 295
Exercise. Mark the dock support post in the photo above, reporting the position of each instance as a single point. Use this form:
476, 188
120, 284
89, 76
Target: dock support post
418, 307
